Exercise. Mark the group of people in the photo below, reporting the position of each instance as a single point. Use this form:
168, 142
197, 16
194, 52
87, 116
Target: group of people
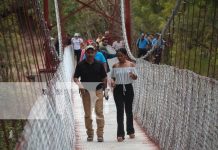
102, 42
91, 68
147, 41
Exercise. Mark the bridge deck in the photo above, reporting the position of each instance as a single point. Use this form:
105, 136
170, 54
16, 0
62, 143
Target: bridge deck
141, 142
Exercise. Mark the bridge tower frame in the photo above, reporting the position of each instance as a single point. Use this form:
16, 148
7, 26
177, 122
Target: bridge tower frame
111, 18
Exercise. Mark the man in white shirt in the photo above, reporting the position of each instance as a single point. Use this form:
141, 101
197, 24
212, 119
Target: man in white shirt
117, 45
76, 43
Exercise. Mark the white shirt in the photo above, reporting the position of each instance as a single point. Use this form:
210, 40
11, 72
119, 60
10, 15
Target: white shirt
121, 75
117, 45
76, 42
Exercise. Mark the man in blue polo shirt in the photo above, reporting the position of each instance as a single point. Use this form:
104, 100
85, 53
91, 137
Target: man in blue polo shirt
142, 43
90, 71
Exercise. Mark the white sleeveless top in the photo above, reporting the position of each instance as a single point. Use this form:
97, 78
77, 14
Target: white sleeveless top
121, 75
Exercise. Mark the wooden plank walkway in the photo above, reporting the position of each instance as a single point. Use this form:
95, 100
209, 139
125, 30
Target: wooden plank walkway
141, 142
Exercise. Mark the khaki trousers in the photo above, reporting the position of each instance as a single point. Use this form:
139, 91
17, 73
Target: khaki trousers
93, 99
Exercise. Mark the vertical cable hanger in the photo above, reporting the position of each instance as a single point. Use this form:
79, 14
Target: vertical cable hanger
187, 32
190, 44
196, 39
211, 43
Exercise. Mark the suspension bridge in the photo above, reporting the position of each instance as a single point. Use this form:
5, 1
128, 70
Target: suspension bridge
175, 104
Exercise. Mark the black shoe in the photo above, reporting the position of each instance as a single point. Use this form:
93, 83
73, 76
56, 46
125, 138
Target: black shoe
100, 139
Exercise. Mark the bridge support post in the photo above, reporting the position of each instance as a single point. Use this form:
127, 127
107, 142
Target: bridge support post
46, 13
128, 21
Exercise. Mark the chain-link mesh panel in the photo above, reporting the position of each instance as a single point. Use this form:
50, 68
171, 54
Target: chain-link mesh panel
27, 58
178, 108
55, 129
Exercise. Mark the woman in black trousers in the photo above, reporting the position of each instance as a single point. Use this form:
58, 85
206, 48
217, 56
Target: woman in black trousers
123, 73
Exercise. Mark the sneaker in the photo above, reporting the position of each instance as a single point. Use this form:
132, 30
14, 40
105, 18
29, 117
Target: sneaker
100, 139
132, 136
89, 138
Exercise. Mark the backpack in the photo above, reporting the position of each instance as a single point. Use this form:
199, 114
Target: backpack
137, 43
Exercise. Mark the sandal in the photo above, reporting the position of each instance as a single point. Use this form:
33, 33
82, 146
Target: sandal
120, 139
132, 136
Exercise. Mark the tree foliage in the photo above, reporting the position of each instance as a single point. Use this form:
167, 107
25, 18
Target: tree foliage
151, 15
85, 21
193, 30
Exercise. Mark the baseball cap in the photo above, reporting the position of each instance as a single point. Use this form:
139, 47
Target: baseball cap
90, 47
89, 41
157, 34
76, 34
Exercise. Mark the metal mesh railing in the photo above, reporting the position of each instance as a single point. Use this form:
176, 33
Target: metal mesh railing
178, 108
35, 90
50, 124
54, 128
25, 50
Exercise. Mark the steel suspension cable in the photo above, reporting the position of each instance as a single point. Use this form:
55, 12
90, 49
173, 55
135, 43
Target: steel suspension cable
162, 32
59, 29
124, 31
175, 11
